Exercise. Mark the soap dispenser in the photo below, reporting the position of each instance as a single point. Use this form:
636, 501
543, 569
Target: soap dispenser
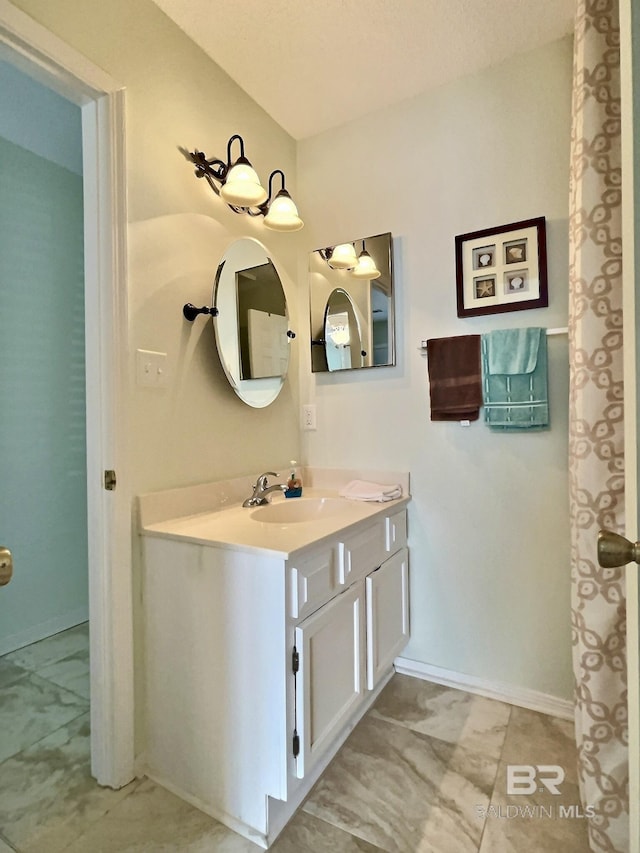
294, 484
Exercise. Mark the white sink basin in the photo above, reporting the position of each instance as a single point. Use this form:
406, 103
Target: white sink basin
296, 510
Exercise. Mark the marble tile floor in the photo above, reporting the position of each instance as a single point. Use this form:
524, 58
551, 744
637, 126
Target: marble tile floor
423, 772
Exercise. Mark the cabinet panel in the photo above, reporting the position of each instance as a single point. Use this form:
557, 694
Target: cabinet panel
330, 680
396, 531
312, 581
361, 553
387, 615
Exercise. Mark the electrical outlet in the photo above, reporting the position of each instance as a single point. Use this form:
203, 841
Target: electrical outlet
309, 416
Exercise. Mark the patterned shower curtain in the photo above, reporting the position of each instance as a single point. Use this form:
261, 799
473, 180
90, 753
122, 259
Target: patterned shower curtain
596, 422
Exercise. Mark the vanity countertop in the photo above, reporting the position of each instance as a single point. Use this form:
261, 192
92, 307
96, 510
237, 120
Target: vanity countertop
234, 527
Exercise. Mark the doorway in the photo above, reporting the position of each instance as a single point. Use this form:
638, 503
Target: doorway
43, 502
45, 58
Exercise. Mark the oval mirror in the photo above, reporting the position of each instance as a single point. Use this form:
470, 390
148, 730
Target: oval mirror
363, 271
342, 338
252, 324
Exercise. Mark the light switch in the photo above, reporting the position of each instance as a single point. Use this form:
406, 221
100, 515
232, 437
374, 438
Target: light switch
151, 369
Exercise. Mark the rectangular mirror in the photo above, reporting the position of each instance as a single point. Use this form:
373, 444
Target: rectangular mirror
352, 305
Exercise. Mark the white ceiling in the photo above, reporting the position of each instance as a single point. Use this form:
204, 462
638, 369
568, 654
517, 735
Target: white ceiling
315, 64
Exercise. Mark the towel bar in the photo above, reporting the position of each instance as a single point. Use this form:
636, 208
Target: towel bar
561, 330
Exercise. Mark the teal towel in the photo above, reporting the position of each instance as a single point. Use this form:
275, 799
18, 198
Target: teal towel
515, 400
513, 351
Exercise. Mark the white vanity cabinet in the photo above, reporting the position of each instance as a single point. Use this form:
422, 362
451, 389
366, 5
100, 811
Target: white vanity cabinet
259, 664
347, 646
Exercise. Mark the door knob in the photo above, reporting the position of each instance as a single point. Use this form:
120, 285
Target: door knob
614, 550
6, 566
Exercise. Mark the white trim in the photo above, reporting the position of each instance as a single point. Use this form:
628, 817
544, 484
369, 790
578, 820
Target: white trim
520, 696
42, 55
630, 145
106, 316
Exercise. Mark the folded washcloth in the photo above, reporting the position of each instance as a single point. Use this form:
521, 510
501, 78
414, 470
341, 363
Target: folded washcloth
455, 388
361, 490
515, 395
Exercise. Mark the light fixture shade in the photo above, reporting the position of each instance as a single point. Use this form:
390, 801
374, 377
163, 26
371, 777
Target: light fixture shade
366, 267
343, 257
242, 186
340, 336
283, 214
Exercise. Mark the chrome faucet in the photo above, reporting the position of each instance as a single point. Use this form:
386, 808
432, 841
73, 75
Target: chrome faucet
261, 490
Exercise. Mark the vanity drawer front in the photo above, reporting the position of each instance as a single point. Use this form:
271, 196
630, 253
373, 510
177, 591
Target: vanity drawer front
312, 582
396, 531
361, 553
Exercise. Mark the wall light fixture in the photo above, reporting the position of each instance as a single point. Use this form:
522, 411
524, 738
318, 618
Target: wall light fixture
238, 184
366, 267
343, 257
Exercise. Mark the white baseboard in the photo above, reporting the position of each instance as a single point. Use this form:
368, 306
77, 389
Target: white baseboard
44, 629
520, 696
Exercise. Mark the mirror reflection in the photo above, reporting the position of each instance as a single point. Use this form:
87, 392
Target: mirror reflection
252, 324
343, 346
352, 305
262, 322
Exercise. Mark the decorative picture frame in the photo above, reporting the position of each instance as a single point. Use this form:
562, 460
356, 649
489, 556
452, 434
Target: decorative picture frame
502, 269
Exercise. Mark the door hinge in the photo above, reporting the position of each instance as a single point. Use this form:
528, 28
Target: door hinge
295, 660
110, 480
296, 744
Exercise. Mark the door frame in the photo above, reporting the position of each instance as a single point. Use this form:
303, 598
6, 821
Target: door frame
43, 56
630, 144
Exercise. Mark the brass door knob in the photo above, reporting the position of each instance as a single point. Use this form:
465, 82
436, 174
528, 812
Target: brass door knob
614, 550
6, 566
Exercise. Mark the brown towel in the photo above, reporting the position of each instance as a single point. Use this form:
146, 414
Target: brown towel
455, 378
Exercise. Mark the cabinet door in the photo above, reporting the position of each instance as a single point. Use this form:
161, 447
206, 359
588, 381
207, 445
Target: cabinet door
387, 615
330, 679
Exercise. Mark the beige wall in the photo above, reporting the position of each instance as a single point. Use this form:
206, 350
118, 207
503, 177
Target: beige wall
488, 522
197, 429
